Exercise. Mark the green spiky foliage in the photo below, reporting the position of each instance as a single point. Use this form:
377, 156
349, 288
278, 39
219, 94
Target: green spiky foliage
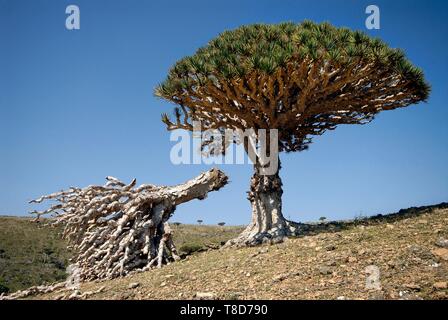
302, 79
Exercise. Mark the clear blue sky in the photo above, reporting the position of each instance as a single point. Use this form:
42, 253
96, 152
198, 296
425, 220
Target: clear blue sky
76, 106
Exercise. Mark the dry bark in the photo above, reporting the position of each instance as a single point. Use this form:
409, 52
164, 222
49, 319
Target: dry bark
268, 224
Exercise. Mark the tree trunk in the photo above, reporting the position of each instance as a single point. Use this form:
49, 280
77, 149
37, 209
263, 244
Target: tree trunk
268, 224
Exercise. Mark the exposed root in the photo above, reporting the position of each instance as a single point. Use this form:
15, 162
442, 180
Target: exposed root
78, 295
34, 290
251, 236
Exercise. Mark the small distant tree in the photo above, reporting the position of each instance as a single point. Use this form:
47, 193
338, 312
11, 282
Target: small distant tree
322, 219
221, 224
360, 216
297, 80
200, 222
176, 223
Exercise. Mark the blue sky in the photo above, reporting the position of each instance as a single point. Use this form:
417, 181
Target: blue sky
76, 106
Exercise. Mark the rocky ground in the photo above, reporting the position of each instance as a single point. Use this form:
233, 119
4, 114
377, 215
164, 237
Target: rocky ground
398, 256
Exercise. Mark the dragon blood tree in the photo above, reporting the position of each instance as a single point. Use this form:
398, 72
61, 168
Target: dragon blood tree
301, 79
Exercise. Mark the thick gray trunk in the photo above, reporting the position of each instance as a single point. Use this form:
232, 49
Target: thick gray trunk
268, 224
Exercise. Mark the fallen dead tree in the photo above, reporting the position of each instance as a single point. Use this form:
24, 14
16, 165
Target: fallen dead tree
119, 228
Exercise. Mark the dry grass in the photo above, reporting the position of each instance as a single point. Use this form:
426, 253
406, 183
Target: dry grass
191, 238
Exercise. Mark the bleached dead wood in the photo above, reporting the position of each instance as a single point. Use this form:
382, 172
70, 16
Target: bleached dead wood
66, 293
118, 228
34, 290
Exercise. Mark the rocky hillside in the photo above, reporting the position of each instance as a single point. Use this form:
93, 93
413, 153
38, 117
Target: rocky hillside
398, 256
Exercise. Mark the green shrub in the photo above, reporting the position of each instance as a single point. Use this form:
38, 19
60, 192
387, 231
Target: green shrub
189, 248
3, 289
